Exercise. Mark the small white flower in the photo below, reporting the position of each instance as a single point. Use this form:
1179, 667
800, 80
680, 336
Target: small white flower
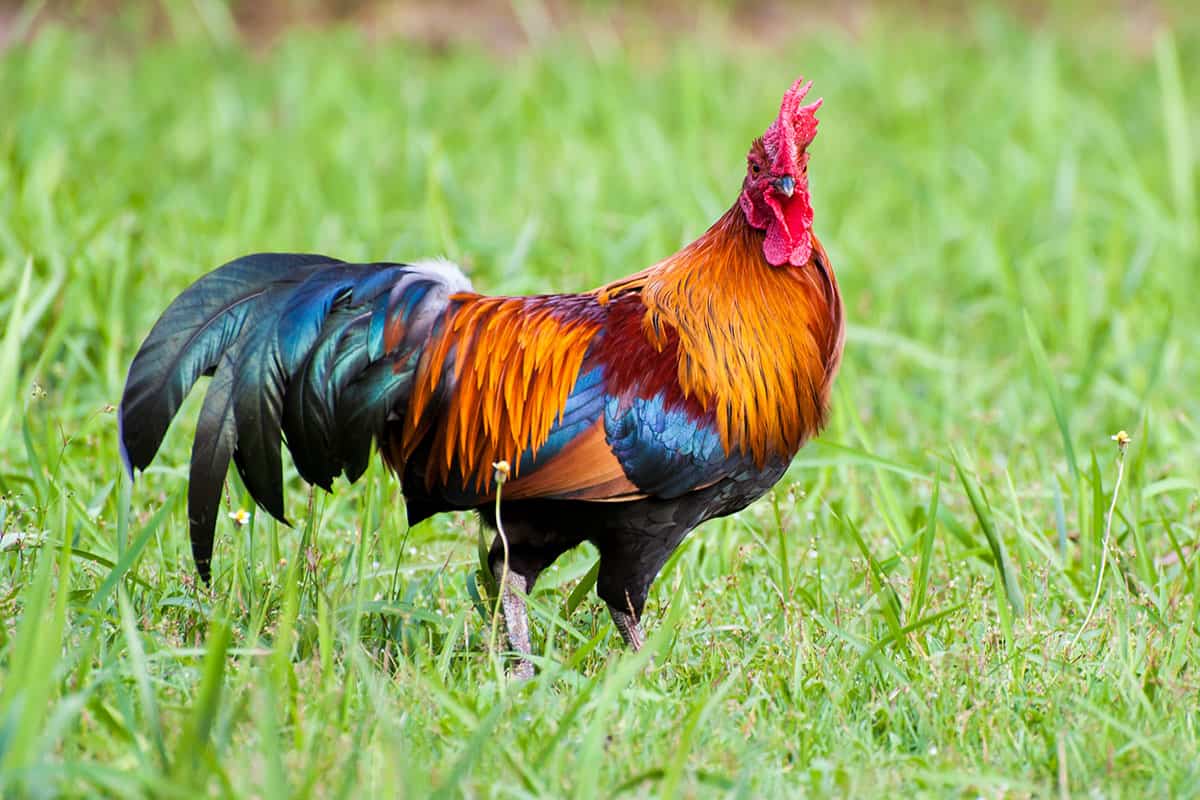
12, 540
502, 471
240, 517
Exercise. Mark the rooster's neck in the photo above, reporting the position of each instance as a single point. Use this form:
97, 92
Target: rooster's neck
758, 344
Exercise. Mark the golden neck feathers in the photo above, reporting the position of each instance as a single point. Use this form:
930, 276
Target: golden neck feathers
757, 344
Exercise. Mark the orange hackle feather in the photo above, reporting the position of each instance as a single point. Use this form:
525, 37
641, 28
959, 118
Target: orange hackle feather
757, 344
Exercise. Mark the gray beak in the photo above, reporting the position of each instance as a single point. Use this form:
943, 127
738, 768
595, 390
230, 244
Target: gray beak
785, 185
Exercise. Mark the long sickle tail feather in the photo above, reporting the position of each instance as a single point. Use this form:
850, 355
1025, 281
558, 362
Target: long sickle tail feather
187, 342
298, 352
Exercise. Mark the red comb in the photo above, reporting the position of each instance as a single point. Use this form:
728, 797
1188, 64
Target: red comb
794, 128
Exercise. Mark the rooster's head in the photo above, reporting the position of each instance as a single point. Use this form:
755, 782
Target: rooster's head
775, 193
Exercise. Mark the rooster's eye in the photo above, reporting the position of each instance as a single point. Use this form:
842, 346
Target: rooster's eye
755, 168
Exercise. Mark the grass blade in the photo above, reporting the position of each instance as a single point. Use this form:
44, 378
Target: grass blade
141, 675
195, 740
925, 555
127, 559
1042, 366
580, 592
983, 514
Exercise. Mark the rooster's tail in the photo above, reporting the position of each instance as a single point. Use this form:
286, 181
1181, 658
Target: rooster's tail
301, 348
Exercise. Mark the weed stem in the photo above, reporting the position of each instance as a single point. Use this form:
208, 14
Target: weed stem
1122, 440
501, 474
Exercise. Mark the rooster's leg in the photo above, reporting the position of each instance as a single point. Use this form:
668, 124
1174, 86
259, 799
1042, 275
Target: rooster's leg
533, 543
630, 559
627, 624
516, 619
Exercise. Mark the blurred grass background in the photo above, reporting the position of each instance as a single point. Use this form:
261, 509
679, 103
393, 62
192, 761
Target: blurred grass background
1008, 194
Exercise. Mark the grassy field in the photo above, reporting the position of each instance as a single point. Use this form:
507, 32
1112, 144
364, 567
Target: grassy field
1012, 212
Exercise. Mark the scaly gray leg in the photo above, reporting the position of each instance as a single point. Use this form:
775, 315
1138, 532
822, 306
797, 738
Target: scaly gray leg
628, 625
516, 619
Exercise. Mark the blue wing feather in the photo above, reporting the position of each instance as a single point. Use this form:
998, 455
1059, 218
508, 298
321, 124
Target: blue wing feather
666, 450
585, 405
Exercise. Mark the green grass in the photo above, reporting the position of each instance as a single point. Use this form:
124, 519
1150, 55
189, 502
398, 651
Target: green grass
1014, 224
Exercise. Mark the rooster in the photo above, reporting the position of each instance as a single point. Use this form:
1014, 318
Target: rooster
630, 414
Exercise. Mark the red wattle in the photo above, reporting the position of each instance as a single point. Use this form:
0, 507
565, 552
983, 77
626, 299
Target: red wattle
789, 234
